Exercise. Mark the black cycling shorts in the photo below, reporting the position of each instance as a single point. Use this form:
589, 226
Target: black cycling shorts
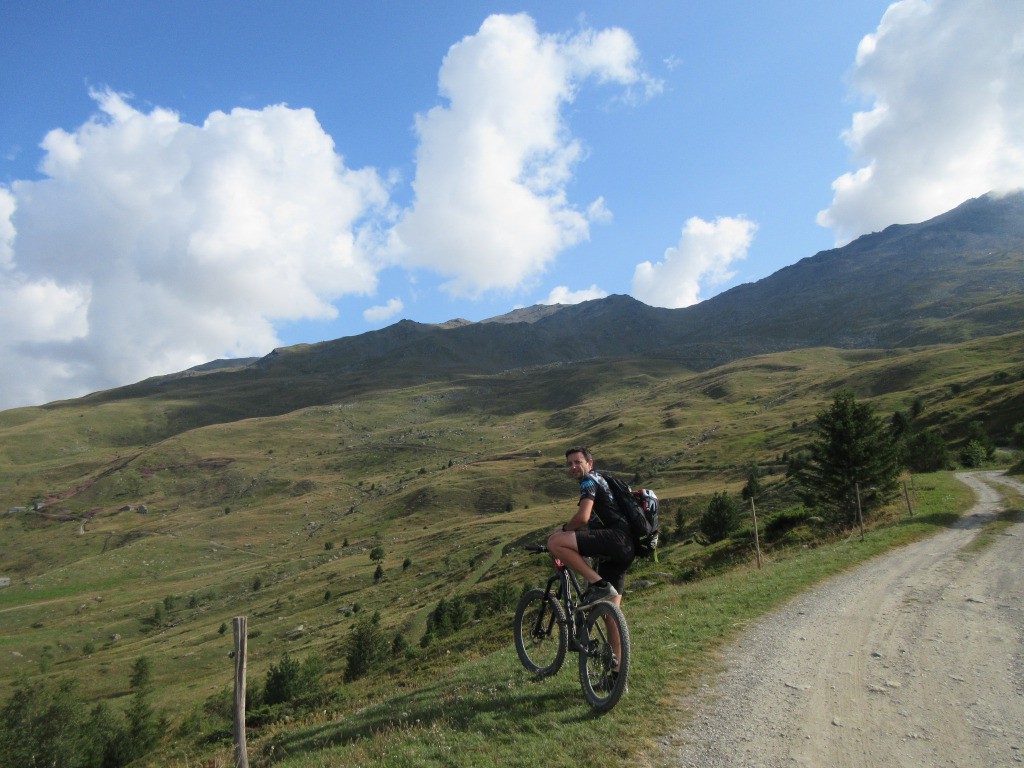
613, 550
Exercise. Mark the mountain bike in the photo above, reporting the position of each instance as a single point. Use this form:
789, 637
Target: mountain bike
549, 621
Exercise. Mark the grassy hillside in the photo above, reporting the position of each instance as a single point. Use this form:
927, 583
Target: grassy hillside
275, 518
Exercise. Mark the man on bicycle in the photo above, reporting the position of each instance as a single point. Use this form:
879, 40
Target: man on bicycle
597, 530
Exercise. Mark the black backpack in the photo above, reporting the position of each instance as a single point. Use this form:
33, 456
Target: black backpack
640, 508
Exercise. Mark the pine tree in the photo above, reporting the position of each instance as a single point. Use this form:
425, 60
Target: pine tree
852, 449
42, 725
142, 673
105, 740
368, 648
143, 725
282, 681
753, 487
720, 517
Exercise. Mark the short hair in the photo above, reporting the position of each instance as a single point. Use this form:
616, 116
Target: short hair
579, 449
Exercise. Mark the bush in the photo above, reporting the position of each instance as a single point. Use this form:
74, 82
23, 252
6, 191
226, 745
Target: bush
448, 617
781, 523
41, 725
1018, 436
504, 596
44, 725
399, 645
295, 683
976, 434
927, 452
973, 455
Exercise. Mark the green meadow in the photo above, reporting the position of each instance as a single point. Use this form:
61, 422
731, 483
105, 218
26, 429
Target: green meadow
150, 536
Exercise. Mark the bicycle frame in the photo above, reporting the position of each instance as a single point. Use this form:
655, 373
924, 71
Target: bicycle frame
568, 594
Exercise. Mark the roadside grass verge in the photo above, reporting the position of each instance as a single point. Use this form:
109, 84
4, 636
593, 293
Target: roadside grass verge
487, 710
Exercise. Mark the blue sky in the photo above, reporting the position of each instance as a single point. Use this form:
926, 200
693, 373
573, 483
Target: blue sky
183, 181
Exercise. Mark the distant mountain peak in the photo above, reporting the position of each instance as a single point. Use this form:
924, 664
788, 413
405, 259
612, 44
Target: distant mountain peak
527, 314
456, 322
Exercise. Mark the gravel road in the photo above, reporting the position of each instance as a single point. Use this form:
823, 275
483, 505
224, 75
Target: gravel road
914, 659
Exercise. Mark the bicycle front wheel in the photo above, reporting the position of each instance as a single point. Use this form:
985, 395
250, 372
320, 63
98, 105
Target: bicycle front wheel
540, 632
604, 657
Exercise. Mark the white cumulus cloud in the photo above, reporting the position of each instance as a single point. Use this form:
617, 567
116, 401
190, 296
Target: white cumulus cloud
945, 82
7, 206
562, 295
384, 312
151, 244
491, 209
703, 258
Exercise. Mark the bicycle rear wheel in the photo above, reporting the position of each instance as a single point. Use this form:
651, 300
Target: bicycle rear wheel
602, 675
540, 633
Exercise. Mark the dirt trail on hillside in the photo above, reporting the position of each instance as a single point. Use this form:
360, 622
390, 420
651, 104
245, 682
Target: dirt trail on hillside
914, 659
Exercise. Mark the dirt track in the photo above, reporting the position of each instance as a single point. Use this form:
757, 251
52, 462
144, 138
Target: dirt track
915, 659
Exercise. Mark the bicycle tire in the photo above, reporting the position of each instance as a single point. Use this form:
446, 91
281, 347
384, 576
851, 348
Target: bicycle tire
602, 687
540, 633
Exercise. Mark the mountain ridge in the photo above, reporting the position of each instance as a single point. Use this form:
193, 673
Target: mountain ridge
955, 277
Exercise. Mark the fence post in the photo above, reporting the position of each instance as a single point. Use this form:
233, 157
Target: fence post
239, 624
757, 538
906, 494
860, 515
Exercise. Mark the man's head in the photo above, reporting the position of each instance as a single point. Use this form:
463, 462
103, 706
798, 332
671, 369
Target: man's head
579, 461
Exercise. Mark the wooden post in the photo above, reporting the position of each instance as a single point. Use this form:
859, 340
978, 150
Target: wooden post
238, 729
906, 494
757, 538
860, 515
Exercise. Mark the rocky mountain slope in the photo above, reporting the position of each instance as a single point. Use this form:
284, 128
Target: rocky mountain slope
953, 278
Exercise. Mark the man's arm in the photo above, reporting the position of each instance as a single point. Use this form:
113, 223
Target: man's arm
582, 516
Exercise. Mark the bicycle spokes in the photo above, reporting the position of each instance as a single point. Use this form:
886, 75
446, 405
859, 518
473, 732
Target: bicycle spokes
604, 660
540, 633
